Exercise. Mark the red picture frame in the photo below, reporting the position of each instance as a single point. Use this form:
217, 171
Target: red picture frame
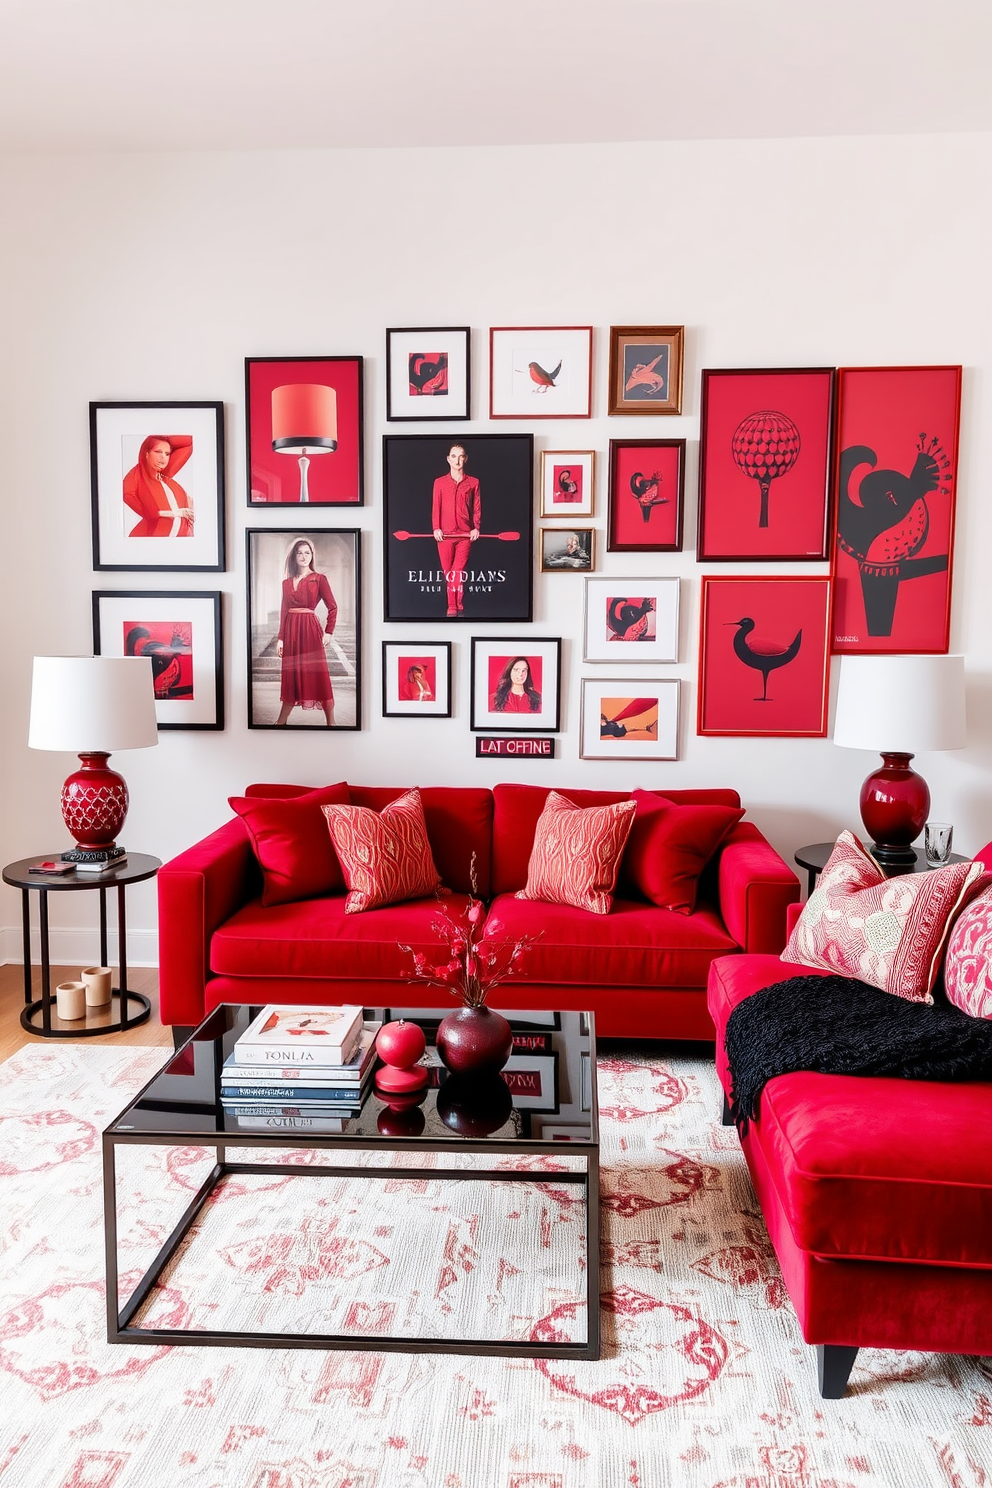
763, 657
307, 450
896, 467
647, 495
764, 465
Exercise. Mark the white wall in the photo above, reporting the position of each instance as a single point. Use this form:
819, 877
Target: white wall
152, 277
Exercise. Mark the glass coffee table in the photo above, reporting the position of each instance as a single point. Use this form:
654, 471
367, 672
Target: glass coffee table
536, 1126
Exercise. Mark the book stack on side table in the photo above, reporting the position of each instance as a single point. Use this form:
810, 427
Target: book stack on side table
304, 1068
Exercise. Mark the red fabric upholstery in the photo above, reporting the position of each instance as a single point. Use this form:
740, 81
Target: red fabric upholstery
292, 844
755, 889
669, 846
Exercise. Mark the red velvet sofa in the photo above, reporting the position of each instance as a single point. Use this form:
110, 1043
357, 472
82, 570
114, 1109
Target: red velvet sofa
640, 968
877, 1194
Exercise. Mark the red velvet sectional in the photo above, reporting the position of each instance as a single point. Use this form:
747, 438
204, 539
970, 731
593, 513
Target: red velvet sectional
641, 969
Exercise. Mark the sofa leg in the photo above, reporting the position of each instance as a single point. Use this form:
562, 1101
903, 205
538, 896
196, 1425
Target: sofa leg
180, 1034
725, 1117
834, 1362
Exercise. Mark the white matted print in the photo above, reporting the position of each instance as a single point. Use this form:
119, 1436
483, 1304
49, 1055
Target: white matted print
181, 634
629, 719
157, 486
516, 685
416, 679
428, 373
632, 619
540, 372
568, 480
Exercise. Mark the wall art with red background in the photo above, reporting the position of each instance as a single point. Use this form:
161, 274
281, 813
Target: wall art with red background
647, 482
334, 477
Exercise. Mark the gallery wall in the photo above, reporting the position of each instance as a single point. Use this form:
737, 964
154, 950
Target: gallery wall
152, 277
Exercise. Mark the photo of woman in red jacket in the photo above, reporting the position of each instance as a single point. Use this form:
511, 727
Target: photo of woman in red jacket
162, 505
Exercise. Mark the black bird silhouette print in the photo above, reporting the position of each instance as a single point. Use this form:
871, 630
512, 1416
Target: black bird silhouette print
762, 655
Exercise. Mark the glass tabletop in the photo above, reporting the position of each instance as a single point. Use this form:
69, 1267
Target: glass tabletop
545, 1096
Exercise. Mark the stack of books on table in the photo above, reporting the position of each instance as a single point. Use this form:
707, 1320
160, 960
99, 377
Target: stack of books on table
299, 1068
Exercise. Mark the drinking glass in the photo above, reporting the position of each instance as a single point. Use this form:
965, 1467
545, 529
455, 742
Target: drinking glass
937, 838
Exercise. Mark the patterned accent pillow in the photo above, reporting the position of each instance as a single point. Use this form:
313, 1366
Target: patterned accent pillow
384, 855
968, 962
888, 932
577, 852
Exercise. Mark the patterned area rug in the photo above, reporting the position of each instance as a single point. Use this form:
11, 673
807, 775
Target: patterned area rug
705, 1381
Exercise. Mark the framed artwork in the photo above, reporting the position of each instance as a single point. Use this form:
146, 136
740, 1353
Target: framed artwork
764, 465
157, 497
567, 483
303, 420
304, 635
458, 528
416, 679
533, 1081
428, 373
763, 657
632, 619
553, 1131
181, 632
624, 720
516, 685
646, 369
647, 487
897, 451
565, 549
540, 372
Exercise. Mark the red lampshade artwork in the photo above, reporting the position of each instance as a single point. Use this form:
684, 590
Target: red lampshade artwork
304, 423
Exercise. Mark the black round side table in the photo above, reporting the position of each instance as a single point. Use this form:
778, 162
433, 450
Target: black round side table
139, 866
814, 857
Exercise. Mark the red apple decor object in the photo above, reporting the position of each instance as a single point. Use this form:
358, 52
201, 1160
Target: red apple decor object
399, 1045
402, 1119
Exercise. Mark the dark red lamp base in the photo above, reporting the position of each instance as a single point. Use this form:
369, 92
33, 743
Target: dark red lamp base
895, 803
94, 803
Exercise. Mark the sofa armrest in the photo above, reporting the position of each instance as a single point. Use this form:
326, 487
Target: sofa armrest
197, 892
755, 887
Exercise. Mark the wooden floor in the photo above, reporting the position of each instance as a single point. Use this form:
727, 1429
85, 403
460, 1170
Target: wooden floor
14, 1037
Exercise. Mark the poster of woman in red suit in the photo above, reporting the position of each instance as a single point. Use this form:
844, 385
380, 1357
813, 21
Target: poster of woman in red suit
456, 517
164, 509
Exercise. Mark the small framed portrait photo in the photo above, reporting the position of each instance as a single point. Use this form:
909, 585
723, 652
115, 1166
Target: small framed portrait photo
647, 486
540, 372
567, 483
416, 679
428, 374
646, 369
180, 632
566, 549
632, 619
516, 685
629, 720
303, 418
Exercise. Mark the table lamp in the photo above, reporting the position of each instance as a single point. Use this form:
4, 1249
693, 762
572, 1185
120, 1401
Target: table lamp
304, 422
91, 706
899, 705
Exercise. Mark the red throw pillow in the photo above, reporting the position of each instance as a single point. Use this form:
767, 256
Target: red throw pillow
291, 844
385, 855
577, 852
888, 932
670, 845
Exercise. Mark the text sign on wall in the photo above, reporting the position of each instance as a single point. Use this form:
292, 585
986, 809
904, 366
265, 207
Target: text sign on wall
511, 748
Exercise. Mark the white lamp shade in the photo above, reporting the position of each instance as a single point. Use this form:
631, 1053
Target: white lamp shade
904, 704
84, 704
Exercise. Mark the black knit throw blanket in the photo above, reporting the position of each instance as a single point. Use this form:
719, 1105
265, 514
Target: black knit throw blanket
840, 1026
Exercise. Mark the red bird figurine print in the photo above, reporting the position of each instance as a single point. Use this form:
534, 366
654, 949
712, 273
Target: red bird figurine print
543, 379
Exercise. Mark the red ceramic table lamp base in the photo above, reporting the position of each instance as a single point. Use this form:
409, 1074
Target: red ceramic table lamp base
895, 803
94, 803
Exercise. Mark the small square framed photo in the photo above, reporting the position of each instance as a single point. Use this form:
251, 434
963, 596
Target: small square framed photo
566, 549
629, 720
303, 418
646, 369
157, 497
416, 679
567, 483
428, 374
540, 372
632, 619
516, 685
180, 631
647, 487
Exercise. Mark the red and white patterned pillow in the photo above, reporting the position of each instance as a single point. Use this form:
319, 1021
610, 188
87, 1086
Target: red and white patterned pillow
384, 855
577, 852
888, 932
968, 962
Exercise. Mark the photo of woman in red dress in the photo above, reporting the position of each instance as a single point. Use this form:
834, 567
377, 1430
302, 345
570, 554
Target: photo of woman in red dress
301, 645
160, 502
515, 690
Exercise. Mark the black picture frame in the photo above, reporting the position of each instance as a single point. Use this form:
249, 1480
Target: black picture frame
181, 700
454, 404
425, 653
487, 651
498, 567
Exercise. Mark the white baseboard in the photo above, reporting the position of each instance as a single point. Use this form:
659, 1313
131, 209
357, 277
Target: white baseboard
80, 947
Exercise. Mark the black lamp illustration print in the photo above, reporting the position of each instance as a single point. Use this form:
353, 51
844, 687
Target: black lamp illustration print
761, 655
884, 526
765, 447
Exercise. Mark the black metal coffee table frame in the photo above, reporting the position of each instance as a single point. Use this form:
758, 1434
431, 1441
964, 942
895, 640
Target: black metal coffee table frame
121, 1327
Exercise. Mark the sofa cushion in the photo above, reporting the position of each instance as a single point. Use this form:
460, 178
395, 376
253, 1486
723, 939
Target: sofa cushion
669, 846
576, 853
318, 939
635, 945
968, 960
385, 856
290, 840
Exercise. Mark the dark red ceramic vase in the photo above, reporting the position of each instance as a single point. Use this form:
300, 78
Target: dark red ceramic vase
474, 1040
